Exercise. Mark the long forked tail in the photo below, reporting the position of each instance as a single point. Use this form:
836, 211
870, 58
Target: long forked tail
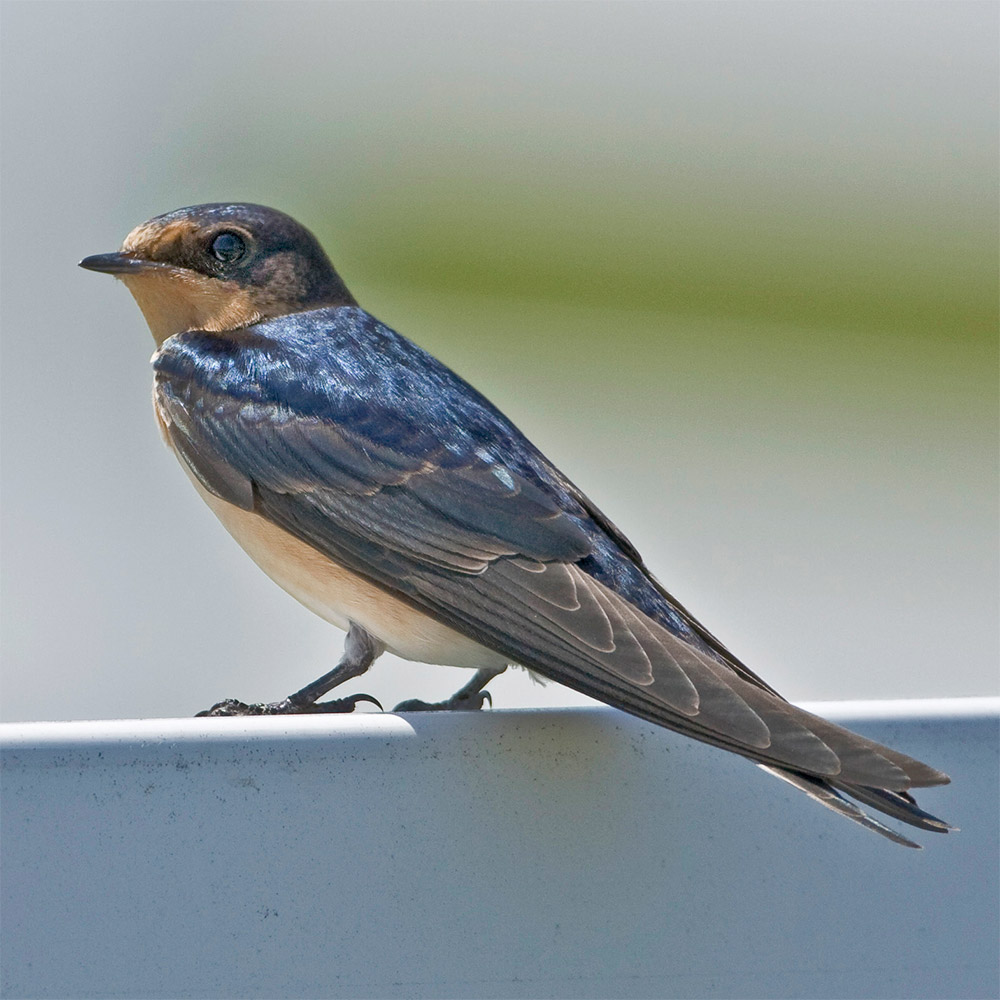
899, 805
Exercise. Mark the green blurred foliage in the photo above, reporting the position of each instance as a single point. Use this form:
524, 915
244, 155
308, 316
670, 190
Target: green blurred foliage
817, 260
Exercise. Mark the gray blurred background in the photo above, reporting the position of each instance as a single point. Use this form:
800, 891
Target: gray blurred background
732, 266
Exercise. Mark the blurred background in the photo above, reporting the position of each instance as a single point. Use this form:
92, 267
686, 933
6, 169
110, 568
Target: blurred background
733, 267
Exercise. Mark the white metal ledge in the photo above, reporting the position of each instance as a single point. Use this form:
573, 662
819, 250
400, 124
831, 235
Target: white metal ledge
574, 853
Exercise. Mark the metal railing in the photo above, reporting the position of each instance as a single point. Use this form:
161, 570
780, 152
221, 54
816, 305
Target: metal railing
499, 854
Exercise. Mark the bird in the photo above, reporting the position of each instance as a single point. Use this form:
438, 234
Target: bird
392, 499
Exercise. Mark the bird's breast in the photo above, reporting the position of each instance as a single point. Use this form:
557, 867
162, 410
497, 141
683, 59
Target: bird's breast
340, 596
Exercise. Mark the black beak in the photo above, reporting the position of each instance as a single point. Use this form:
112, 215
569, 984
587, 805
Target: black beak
118, 263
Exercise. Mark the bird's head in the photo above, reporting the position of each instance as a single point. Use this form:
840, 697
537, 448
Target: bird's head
220, 267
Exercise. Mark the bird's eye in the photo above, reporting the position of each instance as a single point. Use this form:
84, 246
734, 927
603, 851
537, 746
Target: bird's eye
228, 247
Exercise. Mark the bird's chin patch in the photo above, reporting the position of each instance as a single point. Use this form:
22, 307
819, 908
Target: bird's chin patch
175, 299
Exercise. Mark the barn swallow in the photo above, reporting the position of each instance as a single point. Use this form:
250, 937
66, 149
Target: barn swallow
393, 500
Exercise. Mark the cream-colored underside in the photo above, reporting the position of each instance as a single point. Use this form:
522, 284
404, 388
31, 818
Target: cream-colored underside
340, 597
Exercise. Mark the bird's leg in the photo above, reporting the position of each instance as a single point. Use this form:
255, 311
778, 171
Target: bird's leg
360, 652
470, 697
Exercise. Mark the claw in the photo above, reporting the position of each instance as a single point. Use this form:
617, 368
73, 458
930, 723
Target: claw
415, 705
347, 704
231, 707
472, 703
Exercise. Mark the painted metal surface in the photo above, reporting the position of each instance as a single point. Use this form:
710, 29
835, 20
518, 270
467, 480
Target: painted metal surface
573, 853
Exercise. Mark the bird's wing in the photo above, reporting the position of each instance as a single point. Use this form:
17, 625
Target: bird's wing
488, 549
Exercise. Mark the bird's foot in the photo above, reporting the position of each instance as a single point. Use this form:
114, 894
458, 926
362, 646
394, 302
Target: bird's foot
460, 702
287, 706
